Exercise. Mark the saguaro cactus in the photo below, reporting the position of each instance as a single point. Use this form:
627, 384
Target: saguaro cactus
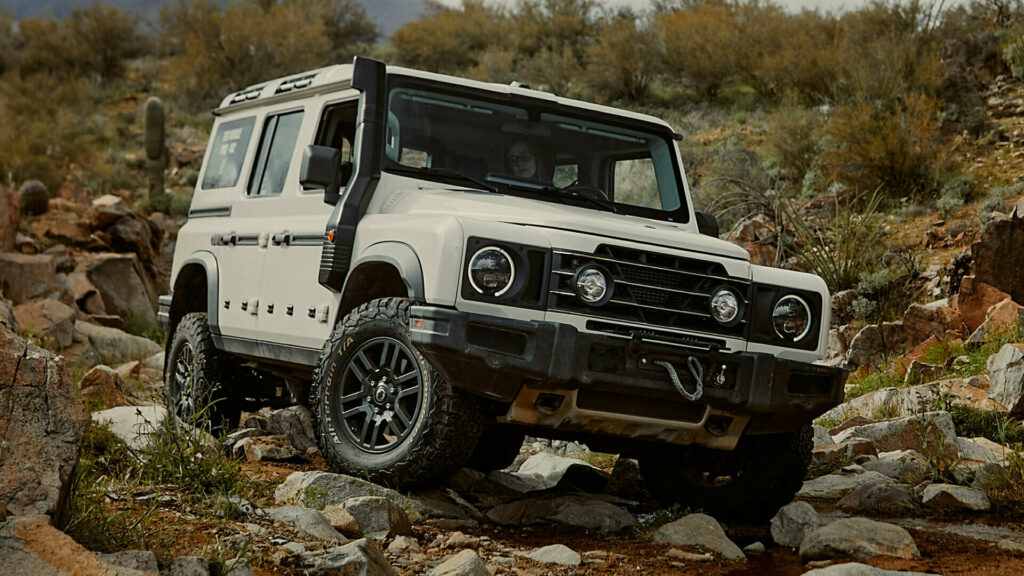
156, 154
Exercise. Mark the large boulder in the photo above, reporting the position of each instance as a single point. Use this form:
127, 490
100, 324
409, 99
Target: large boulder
25, 277
103, 385
125, 288
127, 231
50, 321
1006, 377
793, 522
934, 429
580, 510
115, 346
998, 318
41, 426
953, 497
549, 470
699, 530
465, 563
134, 425
874, 343
378, 517
839, 484
974, 300
921, 322
860, 539
307, 521
993, 254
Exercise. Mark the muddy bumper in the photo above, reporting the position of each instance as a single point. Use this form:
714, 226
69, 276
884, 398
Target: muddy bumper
621, 376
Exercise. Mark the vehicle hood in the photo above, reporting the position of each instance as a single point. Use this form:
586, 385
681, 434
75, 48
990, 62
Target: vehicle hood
523, 211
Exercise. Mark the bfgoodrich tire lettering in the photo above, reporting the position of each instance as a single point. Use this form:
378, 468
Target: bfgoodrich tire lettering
357, 381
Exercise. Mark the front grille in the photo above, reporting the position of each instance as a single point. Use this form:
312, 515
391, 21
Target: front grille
649, 288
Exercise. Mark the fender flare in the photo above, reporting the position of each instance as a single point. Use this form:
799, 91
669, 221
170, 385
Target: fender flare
208, 262
403, 258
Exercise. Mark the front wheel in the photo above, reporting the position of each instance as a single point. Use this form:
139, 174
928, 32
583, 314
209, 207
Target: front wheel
749, 483
381, 411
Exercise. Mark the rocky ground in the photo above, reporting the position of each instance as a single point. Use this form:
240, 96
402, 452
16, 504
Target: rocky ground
918, 471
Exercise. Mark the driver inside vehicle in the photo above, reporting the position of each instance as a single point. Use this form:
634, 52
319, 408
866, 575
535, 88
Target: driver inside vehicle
524, 160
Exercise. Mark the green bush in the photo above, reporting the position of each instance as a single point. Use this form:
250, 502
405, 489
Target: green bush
955, 192
971, 422
794, 141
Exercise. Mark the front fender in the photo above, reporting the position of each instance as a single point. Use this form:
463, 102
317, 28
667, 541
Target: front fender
403, 258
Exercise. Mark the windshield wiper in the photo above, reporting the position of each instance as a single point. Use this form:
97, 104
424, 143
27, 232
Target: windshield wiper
444, 171
588, 192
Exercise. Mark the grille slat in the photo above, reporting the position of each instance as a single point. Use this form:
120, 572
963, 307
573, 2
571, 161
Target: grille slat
650, 288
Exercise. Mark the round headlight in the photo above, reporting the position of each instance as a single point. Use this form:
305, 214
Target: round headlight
725, 306
592, 286
791, 318
491, 271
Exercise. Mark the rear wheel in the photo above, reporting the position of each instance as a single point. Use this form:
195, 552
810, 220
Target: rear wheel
199, 377
749, 483
381, 410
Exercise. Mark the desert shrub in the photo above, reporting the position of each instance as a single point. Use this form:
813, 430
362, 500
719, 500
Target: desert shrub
495, 64
1007, 489
794, 141
552, 71
554, 26
7, 54
447, 39
955, 191
842, 249
890, 288
185, 455
995, 200
699, 45
622, 63
971, 422
734, 185
1014, 56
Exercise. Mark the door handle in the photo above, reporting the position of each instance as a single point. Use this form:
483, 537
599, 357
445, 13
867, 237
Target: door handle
281, 238
225, 239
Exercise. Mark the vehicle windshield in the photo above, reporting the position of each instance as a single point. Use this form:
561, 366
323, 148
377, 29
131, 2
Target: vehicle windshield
531, 147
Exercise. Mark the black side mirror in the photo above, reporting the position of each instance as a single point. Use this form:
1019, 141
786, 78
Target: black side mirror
707, 224
322, 168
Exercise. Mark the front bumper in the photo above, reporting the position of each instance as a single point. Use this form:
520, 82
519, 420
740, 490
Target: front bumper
565, 373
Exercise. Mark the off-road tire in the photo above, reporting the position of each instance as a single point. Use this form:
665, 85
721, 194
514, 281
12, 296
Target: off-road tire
763, 475
209, 376
441, 435
497, 448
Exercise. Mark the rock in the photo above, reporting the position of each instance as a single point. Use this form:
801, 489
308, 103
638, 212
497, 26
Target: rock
1006, 377
981, 450
52, 322
114, 346
860, 539
857, 569
689, 556
25, 277
555, 554
357, 558
581, 510
1002, 237
1014, 547
822, 437
136, 235
60, 227
899, 464
699, 530
7, 315
919, 372
465, 563
42, 421
378, 517
998, 318
259, 448
829, 457
952, 497
86, 296
551, 469
974, 300
793, 522
755, 548
403, 545
294, 422
306, 520
319, 489
125, 288
29, 546
921, 322
876, 342
834, 486
909, 401
103, 385
134, 425
189, 566
342, 520
142, 560
886, 497
909, 432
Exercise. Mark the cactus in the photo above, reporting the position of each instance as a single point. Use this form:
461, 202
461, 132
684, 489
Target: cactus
34, 198
156, 151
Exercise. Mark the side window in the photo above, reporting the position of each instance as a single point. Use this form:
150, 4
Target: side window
634, 182
227, 153
338, 128
274, 157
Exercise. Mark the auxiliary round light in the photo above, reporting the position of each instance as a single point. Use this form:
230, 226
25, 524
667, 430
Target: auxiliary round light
792, 318
592, 286
491, 271
725, 306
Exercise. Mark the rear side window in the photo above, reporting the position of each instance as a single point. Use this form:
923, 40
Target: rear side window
274, 158
227, 153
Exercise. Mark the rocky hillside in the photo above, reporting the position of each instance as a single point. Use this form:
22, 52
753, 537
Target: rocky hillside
920, 471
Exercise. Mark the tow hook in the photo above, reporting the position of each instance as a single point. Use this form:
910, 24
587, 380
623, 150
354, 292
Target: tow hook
696, 371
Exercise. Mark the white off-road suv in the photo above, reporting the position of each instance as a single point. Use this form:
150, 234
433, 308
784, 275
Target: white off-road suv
440, 266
